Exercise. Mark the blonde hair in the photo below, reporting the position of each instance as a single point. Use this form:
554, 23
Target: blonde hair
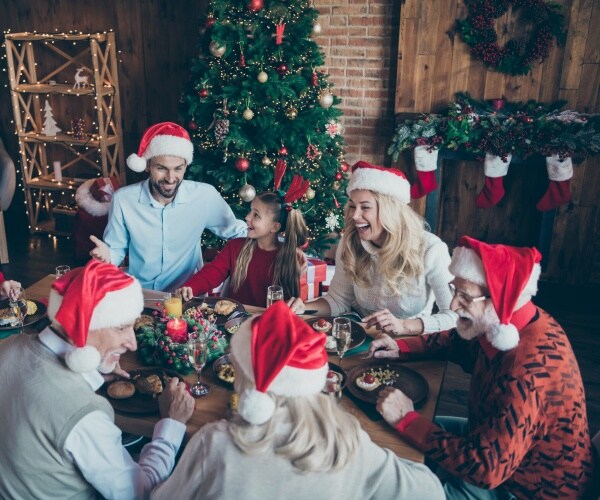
402, 254
321, 438
286, 270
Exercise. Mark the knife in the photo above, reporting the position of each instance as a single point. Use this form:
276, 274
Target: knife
310, 311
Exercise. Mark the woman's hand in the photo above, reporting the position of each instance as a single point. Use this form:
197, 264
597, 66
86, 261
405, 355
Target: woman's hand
9, 288
185, 292
297, 305
386, 322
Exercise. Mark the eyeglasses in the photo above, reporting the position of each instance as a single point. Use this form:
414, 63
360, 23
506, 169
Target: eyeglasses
468, 299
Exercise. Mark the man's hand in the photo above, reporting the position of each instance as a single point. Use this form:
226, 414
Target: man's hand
10, 289
383, 346
393, 405
175, 401
185, 292
101, 252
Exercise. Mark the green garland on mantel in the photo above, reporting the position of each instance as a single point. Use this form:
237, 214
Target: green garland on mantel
516, 57
501, 128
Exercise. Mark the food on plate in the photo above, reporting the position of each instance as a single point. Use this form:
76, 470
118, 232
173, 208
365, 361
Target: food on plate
330, 343
322, 325
143, 320
234, 399
121, 390
333, 376
233, 328
225, 307
226, 373
31, 307
8, 318
367, 381
150, 384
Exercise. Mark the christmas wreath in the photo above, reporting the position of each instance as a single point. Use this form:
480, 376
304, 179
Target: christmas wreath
516, 57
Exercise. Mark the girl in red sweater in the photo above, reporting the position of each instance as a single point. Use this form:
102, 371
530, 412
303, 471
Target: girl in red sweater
267, 256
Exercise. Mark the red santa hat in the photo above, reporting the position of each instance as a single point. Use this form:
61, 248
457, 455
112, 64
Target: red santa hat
282, 355
509, 273
96, 296
383, 180
162, 139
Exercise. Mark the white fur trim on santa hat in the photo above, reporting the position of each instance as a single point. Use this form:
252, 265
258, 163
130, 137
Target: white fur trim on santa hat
559, 170
115, 309
503, 337
467, 265
380, 181
255, 407
426, 160
163, 145
83, 359
494, 166
86, 201
290, 381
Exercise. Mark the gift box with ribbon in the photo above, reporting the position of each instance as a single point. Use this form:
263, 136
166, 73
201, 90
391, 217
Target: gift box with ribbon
310, 282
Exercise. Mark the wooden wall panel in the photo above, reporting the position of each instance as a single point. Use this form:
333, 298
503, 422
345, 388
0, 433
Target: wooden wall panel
571, 73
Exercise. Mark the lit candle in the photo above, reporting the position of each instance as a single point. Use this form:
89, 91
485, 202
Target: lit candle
177, 330
174, 307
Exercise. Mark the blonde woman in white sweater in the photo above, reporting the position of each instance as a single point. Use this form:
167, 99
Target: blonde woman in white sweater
388, 266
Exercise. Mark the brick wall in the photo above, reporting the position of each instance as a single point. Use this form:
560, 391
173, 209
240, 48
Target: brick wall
360, 42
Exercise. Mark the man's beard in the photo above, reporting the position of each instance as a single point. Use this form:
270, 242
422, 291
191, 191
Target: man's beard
158, 187
477, 326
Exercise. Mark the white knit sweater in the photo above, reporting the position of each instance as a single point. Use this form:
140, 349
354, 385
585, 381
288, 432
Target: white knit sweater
416, 299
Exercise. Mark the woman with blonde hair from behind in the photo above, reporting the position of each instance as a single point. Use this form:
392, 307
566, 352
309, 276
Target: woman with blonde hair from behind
289, 440
388, 266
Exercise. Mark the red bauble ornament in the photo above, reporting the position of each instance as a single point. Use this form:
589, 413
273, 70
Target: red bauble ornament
338, 176
283, 151
255, 5
344, 167
242, 164
498, 104
192, 125
282, 69
209, 22
202, 93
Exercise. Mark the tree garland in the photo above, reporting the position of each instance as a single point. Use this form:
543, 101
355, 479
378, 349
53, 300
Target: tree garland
516, 57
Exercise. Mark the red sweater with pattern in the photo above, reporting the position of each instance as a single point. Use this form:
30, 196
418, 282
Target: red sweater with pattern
253, 291
528, 428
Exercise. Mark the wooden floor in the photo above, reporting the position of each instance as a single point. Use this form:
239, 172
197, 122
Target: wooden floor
575, 308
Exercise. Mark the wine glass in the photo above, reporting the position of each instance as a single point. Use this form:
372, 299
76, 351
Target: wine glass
197, 351
342, 333
274, 293
18, 304
60, 270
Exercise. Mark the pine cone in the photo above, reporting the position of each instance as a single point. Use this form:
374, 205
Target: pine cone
221, 129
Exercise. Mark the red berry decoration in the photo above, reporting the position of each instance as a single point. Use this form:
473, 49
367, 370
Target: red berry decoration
369, 378
192, 125
338, 176
282, 69
344, 167
202, 93
255, 5
209, 22
242, 164
283, 151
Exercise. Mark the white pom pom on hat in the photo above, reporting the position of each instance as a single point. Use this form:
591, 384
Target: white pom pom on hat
93, 297
282, 355
162, 139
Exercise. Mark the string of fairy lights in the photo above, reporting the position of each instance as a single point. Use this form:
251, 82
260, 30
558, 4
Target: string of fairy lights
41, 189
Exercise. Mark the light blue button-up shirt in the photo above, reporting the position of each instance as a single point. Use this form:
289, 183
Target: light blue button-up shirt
163, 241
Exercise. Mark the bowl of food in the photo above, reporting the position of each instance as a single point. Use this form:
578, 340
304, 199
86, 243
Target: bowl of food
233, 325
224, 371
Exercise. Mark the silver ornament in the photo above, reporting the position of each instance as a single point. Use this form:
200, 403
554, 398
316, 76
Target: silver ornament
266, 161
247, 193
248, 114
326, 100
262, 77
316, 30
216, 50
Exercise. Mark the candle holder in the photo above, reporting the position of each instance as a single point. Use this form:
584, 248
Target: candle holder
173, 307
177, 330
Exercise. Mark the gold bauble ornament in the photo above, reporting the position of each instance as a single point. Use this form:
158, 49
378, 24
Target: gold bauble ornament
317, 28
310, 193
247, 193
326, 100
291, 113
262, 77
248, 114
266, 161
216, 50
336, 185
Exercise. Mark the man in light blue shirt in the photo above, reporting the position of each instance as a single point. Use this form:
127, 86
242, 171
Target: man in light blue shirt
159, 221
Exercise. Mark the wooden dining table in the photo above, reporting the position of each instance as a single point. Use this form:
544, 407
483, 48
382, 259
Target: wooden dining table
215, 405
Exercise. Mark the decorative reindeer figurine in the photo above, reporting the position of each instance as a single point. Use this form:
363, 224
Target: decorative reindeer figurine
81, 80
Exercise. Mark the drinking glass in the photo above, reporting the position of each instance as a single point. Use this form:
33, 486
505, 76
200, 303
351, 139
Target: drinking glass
197, 351
18, 304
60, 270
342, 333
173, 306
274, 293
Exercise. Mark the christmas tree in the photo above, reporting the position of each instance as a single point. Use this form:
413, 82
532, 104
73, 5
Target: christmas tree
256, 98
50, 126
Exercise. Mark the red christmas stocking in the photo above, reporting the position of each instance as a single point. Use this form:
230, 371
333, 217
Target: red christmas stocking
559, 187
426, 165
493, 190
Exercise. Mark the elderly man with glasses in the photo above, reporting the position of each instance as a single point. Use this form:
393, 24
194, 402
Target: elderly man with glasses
527, 434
